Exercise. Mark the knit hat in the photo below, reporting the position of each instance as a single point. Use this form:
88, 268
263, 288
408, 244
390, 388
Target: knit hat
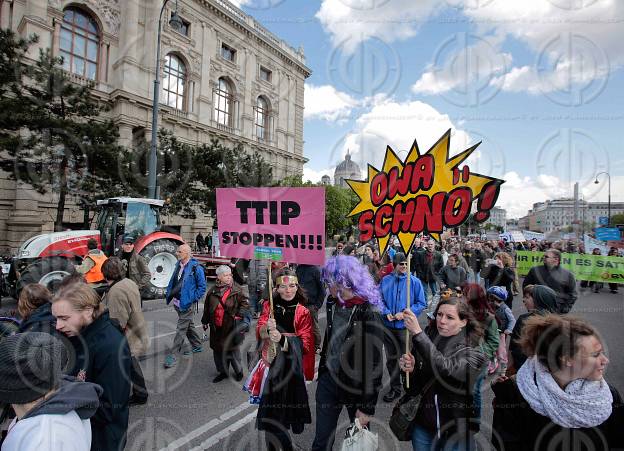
30, 366
499, 293
545, 298
399, 257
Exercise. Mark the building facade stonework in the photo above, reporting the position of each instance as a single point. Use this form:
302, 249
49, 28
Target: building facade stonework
223, 75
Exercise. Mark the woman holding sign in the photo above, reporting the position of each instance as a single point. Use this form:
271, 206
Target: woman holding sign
287, 357
443, 365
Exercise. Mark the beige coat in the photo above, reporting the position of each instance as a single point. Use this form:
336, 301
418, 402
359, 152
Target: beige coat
124, 304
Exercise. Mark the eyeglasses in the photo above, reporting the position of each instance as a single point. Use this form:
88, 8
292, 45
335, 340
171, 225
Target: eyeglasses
402, 264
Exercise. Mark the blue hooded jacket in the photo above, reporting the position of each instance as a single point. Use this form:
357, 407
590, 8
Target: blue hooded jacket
193, 284
394, 293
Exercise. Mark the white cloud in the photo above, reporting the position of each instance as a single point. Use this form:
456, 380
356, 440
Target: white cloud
397, 124
315, 176
573, 46
327, 103
477, 62
351, 22
519, 193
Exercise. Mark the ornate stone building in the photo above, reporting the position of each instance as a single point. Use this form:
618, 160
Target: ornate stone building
223, 75
346, 169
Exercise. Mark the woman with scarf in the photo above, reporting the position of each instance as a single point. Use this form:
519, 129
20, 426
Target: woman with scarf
443, 365
351, 366
277, 383
559, 398
225, 303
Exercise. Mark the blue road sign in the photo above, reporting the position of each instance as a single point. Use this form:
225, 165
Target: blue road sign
607, 233
603, 220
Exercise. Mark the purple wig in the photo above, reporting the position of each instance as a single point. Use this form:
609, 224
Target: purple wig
348, 272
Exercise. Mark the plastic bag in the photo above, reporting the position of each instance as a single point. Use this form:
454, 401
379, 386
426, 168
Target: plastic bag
358, 438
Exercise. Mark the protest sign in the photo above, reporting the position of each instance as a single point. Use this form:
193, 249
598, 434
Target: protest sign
533, 235
427, 193
592, 243
593, 268
280, 224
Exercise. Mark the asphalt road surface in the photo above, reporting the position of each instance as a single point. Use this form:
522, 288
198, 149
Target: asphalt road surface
186, 411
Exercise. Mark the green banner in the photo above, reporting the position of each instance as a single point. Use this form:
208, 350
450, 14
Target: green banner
594, 268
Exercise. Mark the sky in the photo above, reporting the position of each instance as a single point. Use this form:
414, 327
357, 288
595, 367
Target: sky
538, 82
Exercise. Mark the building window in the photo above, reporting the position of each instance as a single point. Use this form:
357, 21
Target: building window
79, 43
174, 80
265, 74
228, 52
223, 103
262, 119
186, 25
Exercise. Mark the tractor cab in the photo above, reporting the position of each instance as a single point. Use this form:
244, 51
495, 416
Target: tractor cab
121, 216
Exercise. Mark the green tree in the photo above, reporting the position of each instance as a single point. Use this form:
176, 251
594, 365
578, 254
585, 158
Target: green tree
52, 130
188, 175
617, 219
338, 204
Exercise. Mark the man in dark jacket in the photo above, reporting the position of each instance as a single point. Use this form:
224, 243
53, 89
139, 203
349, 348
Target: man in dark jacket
135, 265
475, 259
428, 265
310, 279
554, 276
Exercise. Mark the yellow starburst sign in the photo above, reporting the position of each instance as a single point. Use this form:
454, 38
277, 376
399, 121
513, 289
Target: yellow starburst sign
427, 193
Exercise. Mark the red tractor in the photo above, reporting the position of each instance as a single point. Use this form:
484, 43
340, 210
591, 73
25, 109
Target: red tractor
48, 258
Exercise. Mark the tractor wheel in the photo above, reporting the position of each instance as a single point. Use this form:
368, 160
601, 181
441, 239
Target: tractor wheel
48, 271
161, 259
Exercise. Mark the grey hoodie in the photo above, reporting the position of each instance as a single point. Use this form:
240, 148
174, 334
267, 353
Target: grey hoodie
58, 422
83, 397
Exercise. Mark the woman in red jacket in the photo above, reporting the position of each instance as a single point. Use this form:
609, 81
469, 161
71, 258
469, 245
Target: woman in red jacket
277, 383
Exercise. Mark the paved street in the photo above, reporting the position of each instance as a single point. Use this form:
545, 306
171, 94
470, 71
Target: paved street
187, 411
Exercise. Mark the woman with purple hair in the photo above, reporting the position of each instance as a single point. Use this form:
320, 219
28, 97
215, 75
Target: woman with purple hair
350, 369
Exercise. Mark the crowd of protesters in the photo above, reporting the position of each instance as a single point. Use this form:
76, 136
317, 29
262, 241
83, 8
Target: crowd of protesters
75, 360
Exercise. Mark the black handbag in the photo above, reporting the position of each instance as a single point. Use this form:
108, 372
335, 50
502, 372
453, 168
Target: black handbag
404, 413
241, 327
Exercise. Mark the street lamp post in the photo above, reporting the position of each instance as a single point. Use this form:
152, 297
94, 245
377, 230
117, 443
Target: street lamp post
609, 198
176, 24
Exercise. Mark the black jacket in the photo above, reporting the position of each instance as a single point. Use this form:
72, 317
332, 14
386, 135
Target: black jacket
501, 277
475, 259
310, 280
361, 357
103, 357
427, 272
455, 366
40, 320
517, 427
559, 279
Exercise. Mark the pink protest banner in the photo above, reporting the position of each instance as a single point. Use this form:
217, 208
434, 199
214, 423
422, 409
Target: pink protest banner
281, 224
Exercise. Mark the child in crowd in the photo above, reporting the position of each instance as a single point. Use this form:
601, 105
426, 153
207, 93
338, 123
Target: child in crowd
506, 322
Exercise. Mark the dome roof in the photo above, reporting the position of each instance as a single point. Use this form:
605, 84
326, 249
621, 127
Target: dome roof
347, 166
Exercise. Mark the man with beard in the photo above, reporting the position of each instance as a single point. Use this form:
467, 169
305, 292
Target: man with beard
554, 276
135, 266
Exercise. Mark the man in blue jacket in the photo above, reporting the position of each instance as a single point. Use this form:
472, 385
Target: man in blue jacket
394, 294
186, 287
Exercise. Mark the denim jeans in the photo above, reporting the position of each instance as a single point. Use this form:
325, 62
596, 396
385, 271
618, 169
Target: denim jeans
423, 440
328, 408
